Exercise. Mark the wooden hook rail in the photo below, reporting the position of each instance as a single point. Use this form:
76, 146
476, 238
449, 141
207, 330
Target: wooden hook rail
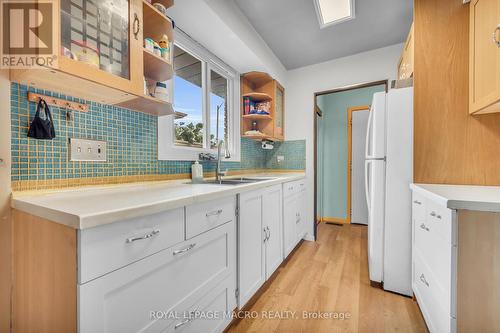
62, 103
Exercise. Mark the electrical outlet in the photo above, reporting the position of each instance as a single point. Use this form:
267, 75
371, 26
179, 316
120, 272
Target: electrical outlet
280, 158
87, 150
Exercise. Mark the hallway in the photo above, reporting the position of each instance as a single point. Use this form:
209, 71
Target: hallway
332, 275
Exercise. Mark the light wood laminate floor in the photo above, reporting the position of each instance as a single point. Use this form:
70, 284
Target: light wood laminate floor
331, 275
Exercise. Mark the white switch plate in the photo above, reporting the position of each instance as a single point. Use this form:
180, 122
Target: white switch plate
87, 150
280, 158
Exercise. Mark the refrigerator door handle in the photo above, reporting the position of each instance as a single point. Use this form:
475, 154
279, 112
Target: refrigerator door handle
367, 188
368, 132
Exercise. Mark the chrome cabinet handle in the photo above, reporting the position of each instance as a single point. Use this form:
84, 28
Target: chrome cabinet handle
265, 234
146, 236
190, 247
184, 322
424, 281
433, 214
215, 212
268, 233
417, 202
495, 34
438, 216
136, 26
424, 227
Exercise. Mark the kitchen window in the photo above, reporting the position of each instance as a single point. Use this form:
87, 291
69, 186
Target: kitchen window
205, 93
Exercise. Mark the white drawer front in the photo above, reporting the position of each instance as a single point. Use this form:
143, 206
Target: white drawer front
123, 300
109, 247
437, 255
290, 188
440, 219
208, 215
431, 297
217, 302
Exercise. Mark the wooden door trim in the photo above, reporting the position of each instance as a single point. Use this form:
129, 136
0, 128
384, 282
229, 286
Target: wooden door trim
350, 111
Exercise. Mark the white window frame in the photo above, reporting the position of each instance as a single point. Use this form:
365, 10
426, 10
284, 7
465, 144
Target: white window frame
167, 150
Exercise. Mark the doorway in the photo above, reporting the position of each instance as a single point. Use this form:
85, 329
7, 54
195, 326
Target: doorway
338, 187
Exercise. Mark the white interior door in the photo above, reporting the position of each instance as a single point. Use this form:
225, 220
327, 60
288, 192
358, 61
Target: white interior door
359, 208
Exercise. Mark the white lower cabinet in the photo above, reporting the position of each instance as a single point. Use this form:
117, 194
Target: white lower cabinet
434, 256
294, 213
155, 294
259, 239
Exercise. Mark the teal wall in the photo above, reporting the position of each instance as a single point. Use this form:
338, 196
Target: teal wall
48, 159
333, 148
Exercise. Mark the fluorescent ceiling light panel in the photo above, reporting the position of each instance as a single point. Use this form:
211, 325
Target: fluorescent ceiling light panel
334, 11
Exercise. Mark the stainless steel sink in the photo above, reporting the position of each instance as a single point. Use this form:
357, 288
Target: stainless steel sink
236, 181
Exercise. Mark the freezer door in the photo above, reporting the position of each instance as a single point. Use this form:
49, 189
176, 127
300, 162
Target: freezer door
375, 133
399, 175
375, 195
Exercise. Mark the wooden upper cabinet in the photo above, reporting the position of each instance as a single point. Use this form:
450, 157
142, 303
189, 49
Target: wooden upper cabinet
405, 65
259, 87
484, 56
101, 54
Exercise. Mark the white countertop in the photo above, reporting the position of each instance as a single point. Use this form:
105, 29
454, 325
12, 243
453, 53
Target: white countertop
468, 197
90, 207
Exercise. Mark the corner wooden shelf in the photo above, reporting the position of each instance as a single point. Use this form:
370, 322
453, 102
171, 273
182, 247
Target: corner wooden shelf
155, 23
156, 68
166, 3
258, 137
258, 97
257, 116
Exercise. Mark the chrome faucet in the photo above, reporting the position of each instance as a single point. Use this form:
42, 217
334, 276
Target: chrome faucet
218, 173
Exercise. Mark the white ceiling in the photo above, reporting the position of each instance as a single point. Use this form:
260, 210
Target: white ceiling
292, 31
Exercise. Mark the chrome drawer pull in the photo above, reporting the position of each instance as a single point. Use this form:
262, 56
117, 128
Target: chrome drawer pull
438, 216
495, 34
184, 322
433, 214
417, 202
215, 212
422, 278
146, 236
190, 247
423, 226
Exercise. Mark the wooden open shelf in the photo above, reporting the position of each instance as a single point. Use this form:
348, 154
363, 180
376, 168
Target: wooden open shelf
166, 3
157, 68
155, 23
153, 105
257, 117
258, 137
258, 97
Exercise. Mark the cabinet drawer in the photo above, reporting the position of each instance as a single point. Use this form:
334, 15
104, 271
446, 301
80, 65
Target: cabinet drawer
418, 207
218, 301
208, 215
437, 301
439, 218
109, 247
122, 301
436, 253
294, 187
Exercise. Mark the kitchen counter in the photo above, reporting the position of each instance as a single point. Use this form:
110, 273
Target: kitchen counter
83, 208
466, 197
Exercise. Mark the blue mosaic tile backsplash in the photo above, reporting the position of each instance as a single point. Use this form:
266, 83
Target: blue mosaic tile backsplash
131, 143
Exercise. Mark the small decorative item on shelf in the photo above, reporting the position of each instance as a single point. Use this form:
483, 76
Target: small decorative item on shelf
254, 126
263, 108
164, 47
68, 54
246, 105
87, 53
160, 8
157, 50
161, 91
165, 53
149, 44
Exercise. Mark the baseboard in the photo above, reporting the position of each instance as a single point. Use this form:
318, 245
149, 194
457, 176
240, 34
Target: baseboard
337, 220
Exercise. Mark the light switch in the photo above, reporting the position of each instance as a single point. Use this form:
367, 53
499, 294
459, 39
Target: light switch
87, 150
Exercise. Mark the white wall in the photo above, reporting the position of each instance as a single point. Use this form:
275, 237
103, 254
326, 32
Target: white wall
303, 82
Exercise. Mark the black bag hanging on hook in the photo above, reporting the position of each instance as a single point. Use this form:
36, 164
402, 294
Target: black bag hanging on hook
42, 128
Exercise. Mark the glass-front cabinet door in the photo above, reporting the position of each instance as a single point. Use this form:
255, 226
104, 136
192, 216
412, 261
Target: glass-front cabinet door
101, 40
279, 113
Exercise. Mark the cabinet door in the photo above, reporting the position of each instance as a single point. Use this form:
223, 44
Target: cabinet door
301, 215
289, 224
484, 56
272, 219
279, 112
251, 263
122, 301
102, 42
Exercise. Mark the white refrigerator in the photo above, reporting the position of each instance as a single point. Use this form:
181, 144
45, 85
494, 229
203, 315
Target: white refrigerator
388, 174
